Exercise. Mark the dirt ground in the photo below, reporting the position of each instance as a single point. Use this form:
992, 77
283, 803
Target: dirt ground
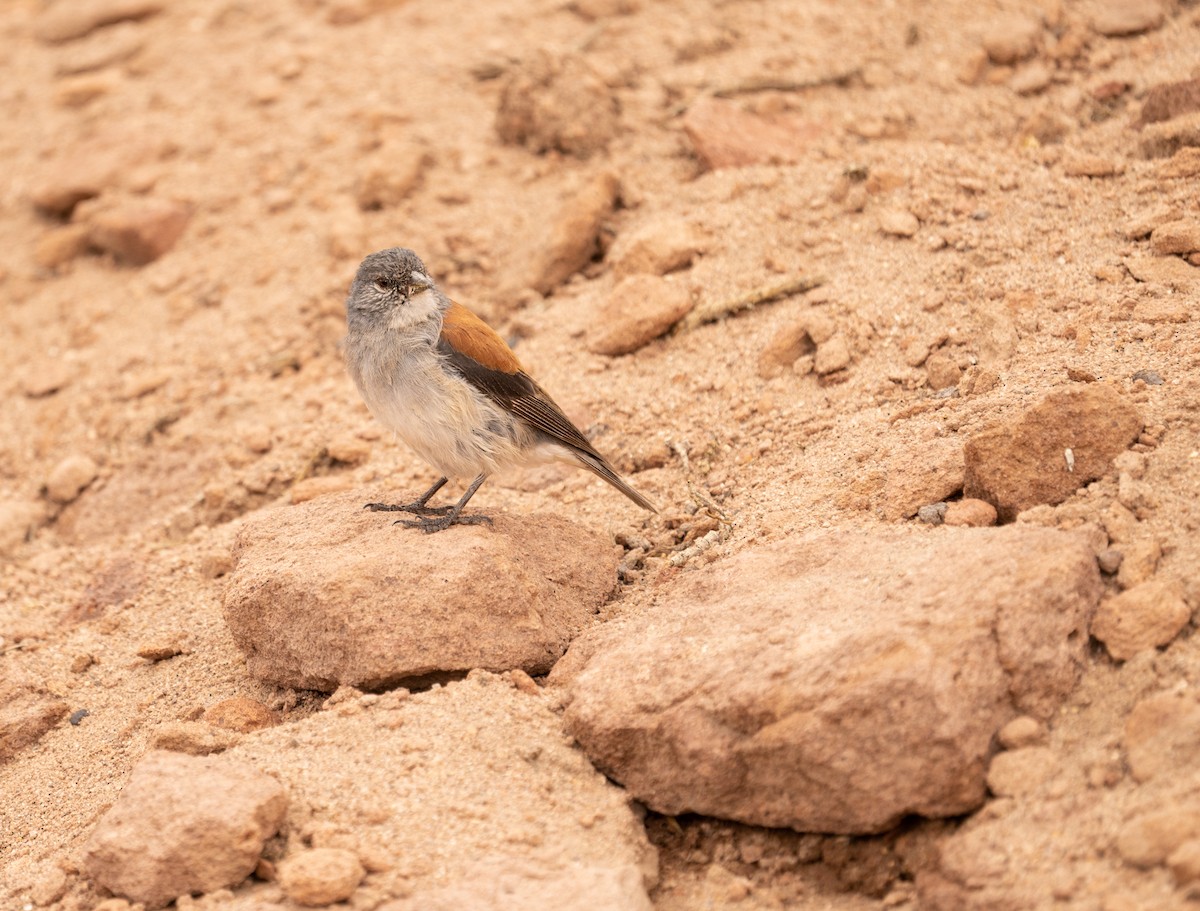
973, 190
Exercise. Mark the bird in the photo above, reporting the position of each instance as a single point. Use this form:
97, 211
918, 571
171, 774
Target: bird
451, 388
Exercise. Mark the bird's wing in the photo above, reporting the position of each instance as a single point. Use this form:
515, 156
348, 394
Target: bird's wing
485, 361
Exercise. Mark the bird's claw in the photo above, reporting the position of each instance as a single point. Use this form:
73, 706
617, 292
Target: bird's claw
416, 508
430, 525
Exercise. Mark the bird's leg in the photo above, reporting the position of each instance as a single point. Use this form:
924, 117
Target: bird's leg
453, 517
417, 506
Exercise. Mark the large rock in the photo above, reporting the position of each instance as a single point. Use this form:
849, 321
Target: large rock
184, 824
839, 682
462, 788
1024, 461
326, 594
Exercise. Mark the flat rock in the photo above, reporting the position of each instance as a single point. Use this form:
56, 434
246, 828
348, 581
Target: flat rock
184, 824
471, 779
1021, 462
1179, 236
67, 21
639, 310
1169, 99
726, 136
835, 683
557, 102
572, 233
1115, 18
656, 247
918, 475
138, 231
1162, 735
325, 594
1144, 617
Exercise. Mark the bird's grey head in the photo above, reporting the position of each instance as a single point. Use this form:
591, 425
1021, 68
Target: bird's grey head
392, 288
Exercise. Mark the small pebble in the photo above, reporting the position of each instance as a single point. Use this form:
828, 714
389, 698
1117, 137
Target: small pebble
320, 876
1110, 560
1149, 377
78, 715
932, 513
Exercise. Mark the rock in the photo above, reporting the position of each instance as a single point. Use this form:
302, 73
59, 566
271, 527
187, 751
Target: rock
26, 714
932, 514
1162, 140
1146, 616
572, 233
1147, 840
794, 340
1139, 562
1021, 771
1162, 735
779, 687
318, 598
832, 355
1011, 38
557, 102
1021, 462
1144, 222
1022, 731
161, 649
70, 477
464, 786
639, 310
241, 714
725, 136
970, 513
390, 176
184, 824
942, 370
656, 247
59, 246
1169, 271
1116, 18
1184, 162
1082, 164
1032, 78
18, 521
1166, 101
1184, 862
113, 45
138, 231
66, 21
320, 876
898, 222
1182, 236
348, 449
917, 476
191, 737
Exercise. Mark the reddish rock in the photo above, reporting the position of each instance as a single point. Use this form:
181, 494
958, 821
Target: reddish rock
557, 102
318, 597
138, 231
1011, 38
1168, 100
725, 136
798, 685
320, 876
1117, 18
922, 474
639, 310
241, 714
184, 824
1148, 615
1022, 462
656, 247
970, 513
572, 233
1180, 236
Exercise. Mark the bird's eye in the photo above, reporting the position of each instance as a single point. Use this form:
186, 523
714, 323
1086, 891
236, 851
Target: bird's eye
383, 284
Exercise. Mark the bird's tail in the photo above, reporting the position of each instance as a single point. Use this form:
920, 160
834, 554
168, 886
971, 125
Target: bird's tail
600, 467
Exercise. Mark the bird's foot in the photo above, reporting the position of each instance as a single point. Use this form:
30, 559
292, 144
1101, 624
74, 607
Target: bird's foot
416, 508
441, 523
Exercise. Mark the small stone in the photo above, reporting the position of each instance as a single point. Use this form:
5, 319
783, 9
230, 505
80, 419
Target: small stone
1022, 731
932, 513
215, 564
790, 343
192, 738
639, 310
70, 477
320, 876
138, 231
311, 488
1109, 560
1144, 617
1085, 165
1011, 38
184, 824
1117, 18
898, 222
970, 513
59, 246
1144, 222
1162, 735
1031, 79
656, 247
1020, 771
349, 449
1149, 377
1140, 562
241, 714
160, 651
67, 21
1184, 862
1182, 236
572, 233
942, 370
51, 885
1148, 840
832, 355
25, 716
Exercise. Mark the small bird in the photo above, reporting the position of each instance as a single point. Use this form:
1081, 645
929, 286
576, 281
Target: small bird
451, 388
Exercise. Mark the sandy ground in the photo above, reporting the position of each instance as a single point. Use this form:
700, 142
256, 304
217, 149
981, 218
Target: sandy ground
972, 223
